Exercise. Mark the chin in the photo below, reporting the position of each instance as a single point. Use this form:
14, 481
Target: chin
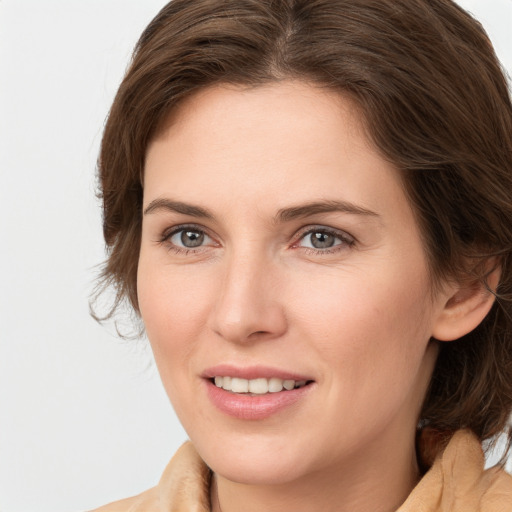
243, 470
256, 461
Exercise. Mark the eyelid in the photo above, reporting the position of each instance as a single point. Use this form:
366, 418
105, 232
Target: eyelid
172, 230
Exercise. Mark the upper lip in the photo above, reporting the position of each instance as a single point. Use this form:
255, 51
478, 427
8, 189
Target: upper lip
252, 372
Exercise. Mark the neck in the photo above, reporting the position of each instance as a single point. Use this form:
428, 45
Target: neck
376, 482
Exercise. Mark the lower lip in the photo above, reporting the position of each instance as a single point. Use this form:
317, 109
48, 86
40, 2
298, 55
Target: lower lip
254, 407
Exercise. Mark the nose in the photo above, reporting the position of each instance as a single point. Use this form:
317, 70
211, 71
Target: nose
249, 304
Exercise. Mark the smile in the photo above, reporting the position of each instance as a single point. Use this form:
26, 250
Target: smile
246, 395
258, 386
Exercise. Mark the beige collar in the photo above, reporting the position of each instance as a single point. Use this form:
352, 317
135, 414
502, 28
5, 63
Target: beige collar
457, 481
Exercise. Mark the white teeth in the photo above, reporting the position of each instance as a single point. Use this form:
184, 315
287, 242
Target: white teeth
289, 384
239, 385
259, 386
226, 383
275, 385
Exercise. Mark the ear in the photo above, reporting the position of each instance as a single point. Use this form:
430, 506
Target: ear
466, 306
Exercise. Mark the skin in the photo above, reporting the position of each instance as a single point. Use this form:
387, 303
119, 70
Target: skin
356, 317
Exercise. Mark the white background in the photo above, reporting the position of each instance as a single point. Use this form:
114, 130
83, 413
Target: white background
83, 417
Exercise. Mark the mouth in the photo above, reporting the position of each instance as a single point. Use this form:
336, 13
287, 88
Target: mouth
257, 392
258, 386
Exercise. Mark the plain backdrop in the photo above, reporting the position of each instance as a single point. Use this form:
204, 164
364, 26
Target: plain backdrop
83, 417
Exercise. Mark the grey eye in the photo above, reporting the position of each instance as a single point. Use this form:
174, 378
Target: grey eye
320, 240
189, 238
192, 238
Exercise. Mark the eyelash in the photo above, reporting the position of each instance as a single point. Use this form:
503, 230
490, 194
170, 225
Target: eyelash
346, 240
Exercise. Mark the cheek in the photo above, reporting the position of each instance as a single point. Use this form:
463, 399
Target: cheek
173, 307
388, 307
371, 333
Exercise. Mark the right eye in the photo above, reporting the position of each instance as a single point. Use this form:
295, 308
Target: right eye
188, 238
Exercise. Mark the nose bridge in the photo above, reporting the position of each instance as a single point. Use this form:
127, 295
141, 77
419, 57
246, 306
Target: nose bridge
247, 305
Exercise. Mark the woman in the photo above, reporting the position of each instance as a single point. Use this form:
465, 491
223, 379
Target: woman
308, 204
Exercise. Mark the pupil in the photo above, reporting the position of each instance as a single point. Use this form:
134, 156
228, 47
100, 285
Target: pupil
192, 238
322, 240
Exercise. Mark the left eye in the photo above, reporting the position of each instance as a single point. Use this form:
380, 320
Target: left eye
189, 238
321, 239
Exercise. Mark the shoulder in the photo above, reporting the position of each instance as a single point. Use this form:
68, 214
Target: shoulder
184, 485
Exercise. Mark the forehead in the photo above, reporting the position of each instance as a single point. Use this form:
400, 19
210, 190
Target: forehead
271, 143
238, 117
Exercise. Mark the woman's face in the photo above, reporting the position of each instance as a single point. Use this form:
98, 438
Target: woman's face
279, 249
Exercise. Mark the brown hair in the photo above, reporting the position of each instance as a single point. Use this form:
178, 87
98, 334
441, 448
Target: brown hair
435, 102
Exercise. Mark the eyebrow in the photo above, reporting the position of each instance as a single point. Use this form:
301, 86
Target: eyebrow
283, 215
328, 206
177, 207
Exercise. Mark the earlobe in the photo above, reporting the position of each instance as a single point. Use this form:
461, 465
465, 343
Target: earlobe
466, 307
